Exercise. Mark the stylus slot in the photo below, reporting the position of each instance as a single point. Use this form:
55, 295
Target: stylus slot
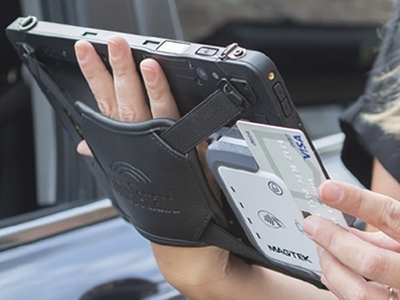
88, 33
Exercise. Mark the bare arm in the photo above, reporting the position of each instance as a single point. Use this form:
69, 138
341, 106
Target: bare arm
212, 273
383, 183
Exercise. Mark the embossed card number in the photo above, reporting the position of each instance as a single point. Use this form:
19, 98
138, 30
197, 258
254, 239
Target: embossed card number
287, 153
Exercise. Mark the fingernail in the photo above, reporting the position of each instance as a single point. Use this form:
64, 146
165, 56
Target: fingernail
310, 226
149, 75
325, 282
80, 52
330, 192
114, 48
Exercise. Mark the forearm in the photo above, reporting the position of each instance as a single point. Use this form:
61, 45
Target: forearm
254, 282
212, 273
384, 183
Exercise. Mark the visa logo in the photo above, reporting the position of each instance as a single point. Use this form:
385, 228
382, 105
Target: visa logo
302, 148
250, 137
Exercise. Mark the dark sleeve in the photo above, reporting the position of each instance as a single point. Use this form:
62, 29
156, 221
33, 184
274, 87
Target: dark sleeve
365, 140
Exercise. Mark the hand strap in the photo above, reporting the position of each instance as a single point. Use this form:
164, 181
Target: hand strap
221, 107
153, 170
164, 192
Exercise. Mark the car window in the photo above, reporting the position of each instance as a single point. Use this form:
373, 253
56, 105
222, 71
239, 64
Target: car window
201, 18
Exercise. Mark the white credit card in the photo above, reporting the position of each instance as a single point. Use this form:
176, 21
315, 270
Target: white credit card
287, 153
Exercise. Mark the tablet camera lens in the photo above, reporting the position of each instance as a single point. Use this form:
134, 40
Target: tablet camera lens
202, 73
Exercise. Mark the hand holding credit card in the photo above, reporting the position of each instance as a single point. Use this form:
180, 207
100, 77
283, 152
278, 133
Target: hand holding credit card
272, 200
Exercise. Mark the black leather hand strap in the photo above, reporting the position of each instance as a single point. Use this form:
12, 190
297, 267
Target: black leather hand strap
163, 192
